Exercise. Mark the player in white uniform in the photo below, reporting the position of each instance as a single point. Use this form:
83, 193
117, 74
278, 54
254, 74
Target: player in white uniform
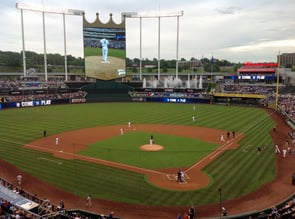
104, 45
222, 137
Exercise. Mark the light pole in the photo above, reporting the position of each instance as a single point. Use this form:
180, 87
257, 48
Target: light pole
44, 11
147, 15
220, 202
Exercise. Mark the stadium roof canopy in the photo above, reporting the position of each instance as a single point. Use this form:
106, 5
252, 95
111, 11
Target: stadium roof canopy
17, 199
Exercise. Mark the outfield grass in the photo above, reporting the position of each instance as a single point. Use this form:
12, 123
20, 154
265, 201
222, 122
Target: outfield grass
237, 172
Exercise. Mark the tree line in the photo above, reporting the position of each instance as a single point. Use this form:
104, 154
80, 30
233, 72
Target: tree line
13, 62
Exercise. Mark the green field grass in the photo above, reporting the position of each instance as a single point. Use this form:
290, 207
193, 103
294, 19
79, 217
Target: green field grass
178, 151
119, 53
237, 171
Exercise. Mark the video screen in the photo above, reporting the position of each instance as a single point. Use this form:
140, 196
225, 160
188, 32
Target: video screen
104, 52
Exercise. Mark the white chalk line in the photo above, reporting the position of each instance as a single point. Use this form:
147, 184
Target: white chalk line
114, 164
211, 155
50, 160
221, 149
246, 148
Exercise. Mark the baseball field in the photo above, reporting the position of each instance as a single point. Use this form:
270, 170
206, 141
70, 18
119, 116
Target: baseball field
76, 164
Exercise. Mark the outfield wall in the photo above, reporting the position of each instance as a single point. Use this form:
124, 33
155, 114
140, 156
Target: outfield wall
107, 91
46, 102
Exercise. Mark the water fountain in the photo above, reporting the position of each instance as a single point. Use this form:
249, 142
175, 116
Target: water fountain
201, 82
144, 83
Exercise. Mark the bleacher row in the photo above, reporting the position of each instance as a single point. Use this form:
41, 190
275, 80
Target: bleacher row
10, 84
24, 90
166, 94
46, 210
18, 203
249, 89
23, 98
286, 100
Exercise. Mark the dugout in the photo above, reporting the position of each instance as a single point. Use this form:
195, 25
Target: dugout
18, 200
240, 99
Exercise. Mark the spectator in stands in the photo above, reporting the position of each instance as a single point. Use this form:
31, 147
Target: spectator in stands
179, 216
274, 213
186, 216
111, 215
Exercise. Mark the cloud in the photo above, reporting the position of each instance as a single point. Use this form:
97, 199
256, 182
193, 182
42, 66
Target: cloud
229, 29
229, 10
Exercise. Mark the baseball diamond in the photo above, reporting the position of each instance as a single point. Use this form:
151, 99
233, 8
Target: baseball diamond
67, 173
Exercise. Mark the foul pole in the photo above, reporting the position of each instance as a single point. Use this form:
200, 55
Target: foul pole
278, 80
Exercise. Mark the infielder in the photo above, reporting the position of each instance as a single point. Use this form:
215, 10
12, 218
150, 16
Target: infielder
222, 137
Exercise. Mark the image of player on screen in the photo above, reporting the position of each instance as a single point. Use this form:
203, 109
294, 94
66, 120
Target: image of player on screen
104, 45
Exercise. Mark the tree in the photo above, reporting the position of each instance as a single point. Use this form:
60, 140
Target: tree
134, 70
149, 70
165, 69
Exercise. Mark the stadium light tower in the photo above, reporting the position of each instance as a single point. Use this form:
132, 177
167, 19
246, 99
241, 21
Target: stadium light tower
36, 8
158, 15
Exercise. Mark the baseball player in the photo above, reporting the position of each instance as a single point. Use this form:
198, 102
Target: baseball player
104, 45
222, 137
277, 149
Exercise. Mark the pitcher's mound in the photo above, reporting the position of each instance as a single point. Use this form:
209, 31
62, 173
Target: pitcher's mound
151, 147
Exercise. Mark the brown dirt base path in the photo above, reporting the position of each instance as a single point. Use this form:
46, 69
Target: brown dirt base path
79, 139
270, 194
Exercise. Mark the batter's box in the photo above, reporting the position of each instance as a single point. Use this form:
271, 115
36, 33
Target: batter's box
173, 177
186, 176
183, 182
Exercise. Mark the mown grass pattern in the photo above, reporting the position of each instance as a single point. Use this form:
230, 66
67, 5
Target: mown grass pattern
178, 151
237, 171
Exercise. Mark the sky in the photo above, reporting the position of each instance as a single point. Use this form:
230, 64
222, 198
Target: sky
233, 30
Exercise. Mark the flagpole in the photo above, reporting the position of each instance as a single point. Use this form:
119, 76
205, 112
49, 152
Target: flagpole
212, 69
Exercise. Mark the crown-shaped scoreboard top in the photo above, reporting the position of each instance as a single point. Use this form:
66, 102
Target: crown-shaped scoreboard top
98, 23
